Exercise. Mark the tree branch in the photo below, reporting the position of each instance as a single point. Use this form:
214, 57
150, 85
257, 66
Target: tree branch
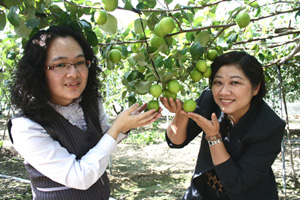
290, 55
267, 37
276, 13
272, 45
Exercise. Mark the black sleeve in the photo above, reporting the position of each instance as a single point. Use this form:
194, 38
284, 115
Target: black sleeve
205, 107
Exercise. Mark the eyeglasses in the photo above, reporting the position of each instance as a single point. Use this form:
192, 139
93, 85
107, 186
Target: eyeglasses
63, 68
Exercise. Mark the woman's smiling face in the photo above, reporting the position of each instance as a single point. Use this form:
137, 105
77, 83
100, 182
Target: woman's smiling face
66, 87
233, 91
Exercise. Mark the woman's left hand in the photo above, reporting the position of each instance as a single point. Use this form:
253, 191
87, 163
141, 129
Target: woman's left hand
210, 127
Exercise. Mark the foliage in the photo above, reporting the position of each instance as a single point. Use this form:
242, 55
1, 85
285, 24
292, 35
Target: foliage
272, 36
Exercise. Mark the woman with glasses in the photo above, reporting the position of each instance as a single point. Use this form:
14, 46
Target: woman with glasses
62, 131
241, 133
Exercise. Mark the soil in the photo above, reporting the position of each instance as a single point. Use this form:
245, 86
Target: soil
145, 172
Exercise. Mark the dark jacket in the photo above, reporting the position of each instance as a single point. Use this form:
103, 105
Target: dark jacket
253, 144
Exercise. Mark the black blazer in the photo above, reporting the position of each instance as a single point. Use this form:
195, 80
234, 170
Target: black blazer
253, 144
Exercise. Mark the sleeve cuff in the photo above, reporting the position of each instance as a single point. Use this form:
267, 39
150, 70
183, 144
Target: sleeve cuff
107, 143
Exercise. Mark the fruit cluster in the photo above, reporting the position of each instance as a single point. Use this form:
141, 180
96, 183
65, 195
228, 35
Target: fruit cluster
173, 87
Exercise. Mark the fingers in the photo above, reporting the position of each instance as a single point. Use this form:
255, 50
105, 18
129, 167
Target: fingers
132, 108
143, 107
171, 105
214, 119
146, 118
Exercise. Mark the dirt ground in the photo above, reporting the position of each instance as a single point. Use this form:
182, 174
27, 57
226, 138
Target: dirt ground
144, 172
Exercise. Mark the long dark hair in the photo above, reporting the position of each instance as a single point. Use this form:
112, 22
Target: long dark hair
29, 90
250, 67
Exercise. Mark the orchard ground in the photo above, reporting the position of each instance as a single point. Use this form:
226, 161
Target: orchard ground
140, 171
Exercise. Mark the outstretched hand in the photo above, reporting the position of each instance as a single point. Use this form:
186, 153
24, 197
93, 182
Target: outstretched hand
210, 127
133, 118
173, 106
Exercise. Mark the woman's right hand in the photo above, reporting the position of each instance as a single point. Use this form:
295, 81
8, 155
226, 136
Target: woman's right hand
173, 106
133, 117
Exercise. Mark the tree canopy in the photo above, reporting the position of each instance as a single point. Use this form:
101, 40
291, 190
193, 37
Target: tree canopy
165, 40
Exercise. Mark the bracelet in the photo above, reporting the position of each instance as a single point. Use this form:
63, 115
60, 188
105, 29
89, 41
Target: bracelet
214, 142
213, 138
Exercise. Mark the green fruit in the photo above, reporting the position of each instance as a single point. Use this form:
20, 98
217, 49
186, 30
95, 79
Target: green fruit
173, 86
157, 41
115, 55
242, 19
158, 30
153, 104
167, 24
201, 65
195, 75
169, 40
156, 90
141, 69
203, 37
101, 17
189, 105
110, 5
212, 54
169, 94
119, 47
207, 73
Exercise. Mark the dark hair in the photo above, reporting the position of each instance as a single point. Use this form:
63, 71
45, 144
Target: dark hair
250, 67
29, 90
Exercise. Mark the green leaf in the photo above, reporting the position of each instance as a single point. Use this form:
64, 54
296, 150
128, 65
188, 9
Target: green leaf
189, 36
196, 51
185, 15
40, 7
297, 14
111, 24
22, 30
85, 25
138, 25
70, 7
10, 3
168, 1
32, 23
131, 61
13, 16
143, 87
159, 61
11, 55
1, 143
132, 75
168, 63
150, 3
2, 20
92, 38
128, 5
131, 98
169, 76
124, 94
232, 38
140, 59
261, 57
